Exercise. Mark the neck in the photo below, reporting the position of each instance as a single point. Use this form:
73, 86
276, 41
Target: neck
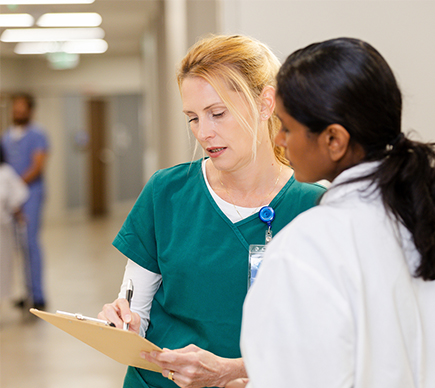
252, 185
251, 177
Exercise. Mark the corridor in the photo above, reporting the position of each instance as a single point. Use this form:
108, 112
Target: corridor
82, 272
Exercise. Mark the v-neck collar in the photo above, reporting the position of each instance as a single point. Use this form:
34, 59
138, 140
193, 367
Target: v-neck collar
237, 225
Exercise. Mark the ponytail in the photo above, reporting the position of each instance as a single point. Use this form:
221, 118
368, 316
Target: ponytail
406, 178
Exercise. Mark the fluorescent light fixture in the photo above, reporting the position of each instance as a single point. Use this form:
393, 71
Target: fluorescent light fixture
33, 48
37, 2
82, 19
51, 34
16, 20
88, 46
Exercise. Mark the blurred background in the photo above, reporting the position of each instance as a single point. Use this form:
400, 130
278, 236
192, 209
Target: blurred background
113, 115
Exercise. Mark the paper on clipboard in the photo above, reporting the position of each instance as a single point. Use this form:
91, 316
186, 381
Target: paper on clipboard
120, 345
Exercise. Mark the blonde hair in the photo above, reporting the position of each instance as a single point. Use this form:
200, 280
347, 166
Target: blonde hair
242, 64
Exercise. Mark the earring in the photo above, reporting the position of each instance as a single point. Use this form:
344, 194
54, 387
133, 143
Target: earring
265, 117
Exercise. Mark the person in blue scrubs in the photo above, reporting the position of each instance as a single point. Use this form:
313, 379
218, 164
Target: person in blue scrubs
26, 149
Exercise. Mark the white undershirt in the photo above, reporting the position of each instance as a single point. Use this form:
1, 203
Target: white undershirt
17, 132
146, 283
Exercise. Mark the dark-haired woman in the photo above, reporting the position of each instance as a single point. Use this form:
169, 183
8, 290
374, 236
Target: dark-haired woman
352, 280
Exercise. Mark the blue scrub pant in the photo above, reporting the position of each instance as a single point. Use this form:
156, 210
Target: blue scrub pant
33, 212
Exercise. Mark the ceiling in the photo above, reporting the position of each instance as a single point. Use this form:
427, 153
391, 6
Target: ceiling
124, 22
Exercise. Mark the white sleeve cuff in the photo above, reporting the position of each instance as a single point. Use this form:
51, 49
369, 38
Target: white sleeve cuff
146, 284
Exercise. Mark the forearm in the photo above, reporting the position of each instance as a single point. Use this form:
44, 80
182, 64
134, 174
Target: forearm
145, 284
36, 168
232, 369
30, 175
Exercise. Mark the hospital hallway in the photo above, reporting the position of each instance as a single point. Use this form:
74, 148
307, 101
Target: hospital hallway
82, 272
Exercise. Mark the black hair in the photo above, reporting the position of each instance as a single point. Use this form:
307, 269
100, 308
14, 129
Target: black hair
346, 81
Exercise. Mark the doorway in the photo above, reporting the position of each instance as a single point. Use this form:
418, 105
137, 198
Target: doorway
104, 152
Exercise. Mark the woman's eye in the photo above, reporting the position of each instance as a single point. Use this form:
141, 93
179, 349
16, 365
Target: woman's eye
193, 119
218, 114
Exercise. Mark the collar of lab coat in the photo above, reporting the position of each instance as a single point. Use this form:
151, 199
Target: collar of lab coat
339, 188
367, 191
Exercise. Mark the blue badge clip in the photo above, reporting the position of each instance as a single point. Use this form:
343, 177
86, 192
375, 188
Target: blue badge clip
267, 215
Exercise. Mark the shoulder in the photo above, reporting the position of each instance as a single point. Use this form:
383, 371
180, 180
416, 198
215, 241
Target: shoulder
308, 188
176, 179
303, 195
37, 131
178, 175
37, 137
182, 170
8, 173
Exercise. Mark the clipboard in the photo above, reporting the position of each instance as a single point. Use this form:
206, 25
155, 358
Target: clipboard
120, 345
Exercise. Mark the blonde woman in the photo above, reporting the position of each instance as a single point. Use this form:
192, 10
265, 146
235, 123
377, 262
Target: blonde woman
188, 236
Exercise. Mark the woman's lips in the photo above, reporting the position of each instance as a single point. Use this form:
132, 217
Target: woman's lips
214, 152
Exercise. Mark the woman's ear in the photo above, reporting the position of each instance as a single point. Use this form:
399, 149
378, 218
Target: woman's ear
336, 139
267, 99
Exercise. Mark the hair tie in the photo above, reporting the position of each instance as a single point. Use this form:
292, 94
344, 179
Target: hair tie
399, 137
393, 142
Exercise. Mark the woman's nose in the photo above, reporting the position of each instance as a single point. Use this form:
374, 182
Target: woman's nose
205, 131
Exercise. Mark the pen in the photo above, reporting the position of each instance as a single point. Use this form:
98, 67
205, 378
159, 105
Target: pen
128, 296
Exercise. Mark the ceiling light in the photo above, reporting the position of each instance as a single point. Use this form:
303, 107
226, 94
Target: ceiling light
36, 2
51, 34
83, 19
33, 48
88, 46
16, 20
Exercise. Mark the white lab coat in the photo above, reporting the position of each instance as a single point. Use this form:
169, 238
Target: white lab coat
335, 303
13, 194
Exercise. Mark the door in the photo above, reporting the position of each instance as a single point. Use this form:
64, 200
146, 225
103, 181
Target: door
97, 157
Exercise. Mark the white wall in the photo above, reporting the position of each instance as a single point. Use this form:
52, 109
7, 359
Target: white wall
93, 75
403, 32
11, 74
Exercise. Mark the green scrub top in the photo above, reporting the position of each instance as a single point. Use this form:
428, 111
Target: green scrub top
177, 230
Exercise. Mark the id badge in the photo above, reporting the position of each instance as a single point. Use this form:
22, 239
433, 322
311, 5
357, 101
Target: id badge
256, 254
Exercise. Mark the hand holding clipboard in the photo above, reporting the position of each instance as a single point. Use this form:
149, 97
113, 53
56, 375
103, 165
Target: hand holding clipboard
120, 345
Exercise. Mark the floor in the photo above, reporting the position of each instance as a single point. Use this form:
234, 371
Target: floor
82, 272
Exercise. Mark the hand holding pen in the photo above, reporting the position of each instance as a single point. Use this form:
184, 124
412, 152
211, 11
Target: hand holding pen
120, 314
